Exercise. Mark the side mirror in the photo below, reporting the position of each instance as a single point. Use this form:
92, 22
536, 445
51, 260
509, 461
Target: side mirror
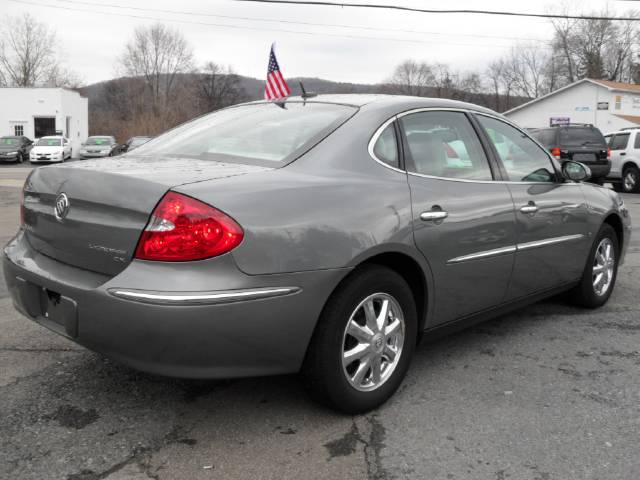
576, 171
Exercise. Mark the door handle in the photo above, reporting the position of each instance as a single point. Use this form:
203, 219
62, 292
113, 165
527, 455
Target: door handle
433, 215
530, 208
622, 154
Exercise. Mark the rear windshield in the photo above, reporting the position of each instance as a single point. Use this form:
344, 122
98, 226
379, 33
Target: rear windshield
9, 141
49, 142
98, 141
578, 136
262, 134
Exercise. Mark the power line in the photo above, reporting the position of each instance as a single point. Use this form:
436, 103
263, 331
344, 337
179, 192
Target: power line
292, 22
426, 10
244, 27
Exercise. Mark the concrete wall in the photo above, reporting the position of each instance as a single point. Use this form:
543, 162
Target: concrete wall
580, 104
21, 105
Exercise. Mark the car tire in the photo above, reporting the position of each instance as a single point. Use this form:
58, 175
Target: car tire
351, 387
631, 180
589, 293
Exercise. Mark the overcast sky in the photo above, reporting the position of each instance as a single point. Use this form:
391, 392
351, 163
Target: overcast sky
92, 35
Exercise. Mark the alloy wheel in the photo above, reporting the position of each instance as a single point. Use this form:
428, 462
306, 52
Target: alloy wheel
372, 342
630, 181
603, 266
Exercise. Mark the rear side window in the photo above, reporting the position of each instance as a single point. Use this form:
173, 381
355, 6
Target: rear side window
262, 133
444, 144
619, 141
386, 147
579, 136
522, 158
636, 143
545, 137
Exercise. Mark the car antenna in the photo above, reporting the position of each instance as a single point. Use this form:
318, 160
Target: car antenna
306, 94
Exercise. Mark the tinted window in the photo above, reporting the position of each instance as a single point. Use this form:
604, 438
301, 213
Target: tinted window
578, 136
545, 137
386, 147
636, 142
265, 132
619, 141
523, 160
444, 144
49, 142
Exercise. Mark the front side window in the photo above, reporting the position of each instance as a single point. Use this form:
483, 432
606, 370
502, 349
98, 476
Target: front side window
619, 141
262, 133
523, 160
636, 142
386, 147
444, 144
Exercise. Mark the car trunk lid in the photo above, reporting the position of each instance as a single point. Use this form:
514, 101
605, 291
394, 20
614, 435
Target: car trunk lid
109, 203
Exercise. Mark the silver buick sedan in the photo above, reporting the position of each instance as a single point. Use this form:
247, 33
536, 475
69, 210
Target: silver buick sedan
318, 235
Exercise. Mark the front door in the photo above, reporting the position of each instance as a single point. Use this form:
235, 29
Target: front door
463, 221
551, 215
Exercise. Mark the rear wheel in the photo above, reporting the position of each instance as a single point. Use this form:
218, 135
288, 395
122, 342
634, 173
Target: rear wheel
631, 180
599, 276
364, 341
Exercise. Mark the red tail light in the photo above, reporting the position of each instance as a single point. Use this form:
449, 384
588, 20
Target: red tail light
182, 228
608, 153
556, 152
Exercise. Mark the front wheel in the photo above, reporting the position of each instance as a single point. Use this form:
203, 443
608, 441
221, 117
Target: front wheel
364, 341
599, 276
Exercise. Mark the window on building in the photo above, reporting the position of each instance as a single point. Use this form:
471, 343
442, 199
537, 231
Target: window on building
618, 102
18, 130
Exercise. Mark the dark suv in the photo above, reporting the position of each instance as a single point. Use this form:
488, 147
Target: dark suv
578, 142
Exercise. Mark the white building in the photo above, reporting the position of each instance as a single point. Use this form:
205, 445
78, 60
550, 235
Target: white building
37, 112
608, 105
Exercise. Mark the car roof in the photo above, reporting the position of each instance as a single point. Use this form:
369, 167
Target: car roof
384, 101
100, 136
52, 136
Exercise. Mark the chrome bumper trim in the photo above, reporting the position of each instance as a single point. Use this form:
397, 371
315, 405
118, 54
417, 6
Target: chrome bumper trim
201, 298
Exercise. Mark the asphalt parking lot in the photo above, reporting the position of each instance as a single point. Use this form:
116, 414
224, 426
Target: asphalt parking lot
550, 392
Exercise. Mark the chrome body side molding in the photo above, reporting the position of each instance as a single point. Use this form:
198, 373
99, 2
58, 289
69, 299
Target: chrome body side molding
201, 298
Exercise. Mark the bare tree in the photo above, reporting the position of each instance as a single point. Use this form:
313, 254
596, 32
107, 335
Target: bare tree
217, 87
158, 54
412, 78
27, 52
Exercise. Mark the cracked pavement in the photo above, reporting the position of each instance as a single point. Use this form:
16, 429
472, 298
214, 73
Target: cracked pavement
548, 392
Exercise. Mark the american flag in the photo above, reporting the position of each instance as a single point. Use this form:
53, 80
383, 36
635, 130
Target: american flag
276, 86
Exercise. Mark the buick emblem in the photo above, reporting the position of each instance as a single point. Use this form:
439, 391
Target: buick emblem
62, 206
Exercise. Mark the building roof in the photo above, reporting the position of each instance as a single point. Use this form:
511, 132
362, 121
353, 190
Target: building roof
630, 118
608, 84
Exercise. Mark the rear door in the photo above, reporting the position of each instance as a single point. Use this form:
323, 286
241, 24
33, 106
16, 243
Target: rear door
463, 220
618, 143
551, 214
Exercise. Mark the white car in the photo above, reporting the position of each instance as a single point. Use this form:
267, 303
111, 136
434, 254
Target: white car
51, 149
625, 160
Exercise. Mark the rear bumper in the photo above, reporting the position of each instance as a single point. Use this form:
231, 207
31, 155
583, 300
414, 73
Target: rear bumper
599, 171
261, 327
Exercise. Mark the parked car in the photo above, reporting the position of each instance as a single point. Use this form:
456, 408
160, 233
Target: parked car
15, 149
579, 142
99, 146
625, 160
51, 149
134, 142
323, 235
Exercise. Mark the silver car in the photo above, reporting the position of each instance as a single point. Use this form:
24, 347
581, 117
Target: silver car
318, 235
99, 146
